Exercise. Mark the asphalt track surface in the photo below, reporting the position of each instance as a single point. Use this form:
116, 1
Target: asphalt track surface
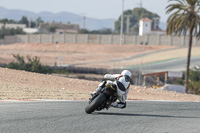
70, 117
178, 64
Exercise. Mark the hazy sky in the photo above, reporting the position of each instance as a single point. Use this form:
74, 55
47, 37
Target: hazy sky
91, 8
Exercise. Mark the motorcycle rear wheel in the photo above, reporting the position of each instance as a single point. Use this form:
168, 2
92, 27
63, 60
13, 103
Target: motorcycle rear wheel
95, 103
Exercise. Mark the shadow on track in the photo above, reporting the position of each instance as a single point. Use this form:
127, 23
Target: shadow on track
148, 115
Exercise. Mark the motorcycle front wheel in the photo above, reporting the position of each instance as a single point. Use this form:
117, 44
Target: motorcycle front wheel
95, 103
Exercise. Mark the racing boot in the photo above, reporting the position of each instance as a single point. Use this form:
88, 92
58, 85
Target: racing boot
94, 93
98, 89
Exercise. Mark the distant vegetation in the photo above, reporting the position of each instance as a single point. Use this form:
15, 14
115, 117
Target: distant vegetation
194, 80
23, 20
135, 15
10, 31
33, 65
101, 31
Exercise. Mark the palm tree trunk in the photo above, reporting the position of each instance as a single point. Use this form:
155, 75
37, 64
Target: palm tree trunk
188, 62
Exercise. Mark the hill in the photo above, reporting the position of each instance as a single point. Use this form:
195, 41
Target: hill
64, 17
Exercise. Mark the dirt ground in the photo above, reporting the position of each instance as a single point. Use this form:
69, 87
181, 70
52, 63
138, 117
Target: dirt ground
75, 54
21, 85
25, 85
91, 55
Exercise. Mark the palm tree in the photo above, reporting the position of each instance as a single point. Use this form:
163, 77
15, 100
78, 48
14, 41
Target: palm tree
184, 20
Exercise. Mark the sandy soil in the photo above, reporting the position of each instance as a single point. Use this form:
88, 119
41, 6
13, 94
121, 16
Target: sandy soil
91, 55
68, 54
21, 85
25, 85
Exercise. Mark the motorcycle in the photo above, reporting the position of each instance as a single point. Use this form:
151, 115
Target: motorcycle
102, 99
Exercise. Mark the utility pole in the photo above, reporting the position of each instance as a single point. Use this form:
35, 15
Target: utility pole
141, 65
121, 31
128, 24
29, 22
141, 4
156, 19
83, 22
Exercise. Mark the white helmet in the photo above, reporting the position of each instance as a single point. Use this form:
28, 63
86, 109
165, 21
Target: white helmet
126, 72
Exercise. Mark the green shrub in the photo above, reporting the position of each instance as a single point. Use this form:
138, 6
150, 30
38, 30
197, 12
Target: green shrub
33, 65
194, 80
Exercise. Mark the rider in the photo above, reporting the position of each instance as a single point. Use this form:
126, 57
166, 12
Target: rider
122, 82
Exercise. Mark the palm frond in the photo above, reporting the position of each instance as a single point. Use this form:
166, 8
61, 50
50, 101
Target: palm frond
183, 17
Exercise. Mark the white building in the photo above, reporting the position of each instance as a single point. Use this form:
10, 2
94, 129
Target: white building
30, 30
158, 32
145, 26
22, 26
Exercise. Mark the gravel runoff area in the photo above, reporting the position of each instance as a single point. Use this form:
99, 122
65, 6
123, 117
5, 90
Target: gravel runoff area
21, 85
82, 55
93, 55
25, 85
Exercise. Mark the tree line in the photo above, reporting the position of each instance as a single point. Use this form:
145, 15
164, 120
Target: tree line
11, 31
134, 16
23, 20
131, 24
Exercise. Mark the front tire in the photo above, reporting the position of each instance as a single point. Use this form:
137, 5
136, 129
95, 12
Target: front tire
95, 103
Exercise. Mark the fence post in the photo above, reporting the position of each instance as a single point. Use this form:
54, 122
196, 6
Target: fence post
124, 39
195, 41
159, 40
15, 39
39, 38
147, 39
183, 40
99, 38
88, 39
136, 39
111, 39
51, 38
171, 40
5, 40
75, 38
28, 38
63, 37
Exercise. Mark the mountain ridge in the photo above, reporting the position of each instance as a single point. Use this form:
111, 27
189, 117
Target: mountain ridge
64, 17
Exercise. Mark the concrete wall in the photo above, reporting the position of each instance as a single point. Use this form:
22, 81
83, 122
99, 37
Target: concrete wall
81, 38
99, 39
21, 38
166, 40
106, 39
10, 39
116, 39
154, 39
2, 41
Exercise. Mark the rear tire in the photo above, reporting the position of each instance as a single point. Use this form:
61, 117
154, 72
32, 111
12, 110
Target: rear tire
95, 103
